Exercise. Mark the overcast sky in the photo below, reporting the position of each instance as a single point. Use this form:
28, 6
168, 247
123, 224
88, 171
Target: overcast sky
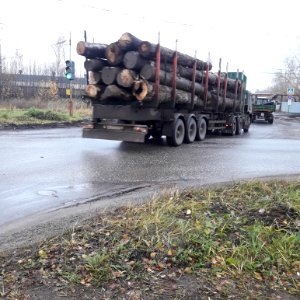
254, 36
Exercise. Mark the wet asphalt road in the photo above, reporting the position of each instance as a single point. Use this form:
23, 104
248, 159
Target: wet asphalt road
46, 169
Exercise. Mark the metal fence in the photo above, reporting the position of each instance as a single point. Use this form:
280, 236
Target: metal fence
32, 86
290, 107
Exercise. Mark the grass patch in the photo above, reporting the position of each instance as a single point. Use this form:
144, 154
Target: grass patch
38, 112
242, 234
39, 116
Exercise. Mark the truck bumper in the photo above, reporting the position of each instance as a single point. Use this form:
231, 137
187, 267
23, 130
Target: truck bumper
124, 133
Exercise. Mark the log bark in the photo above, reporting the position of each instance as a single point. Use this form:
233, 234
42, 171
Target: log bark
114, 54
114, 92
95, 77
227, 104
132, 60
148, 71
145, 92
91, 50
93, 90
126, 78
148, 50
128, 42
166, 78
95, 64
109, 74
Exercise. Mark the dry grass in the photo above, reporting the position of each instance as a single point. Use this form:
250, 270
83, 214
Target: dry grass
21, 112
245, 235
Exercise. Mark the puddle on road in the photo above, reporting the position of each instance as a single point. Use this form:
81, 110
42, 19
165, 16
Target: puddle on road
54, 191
48, 193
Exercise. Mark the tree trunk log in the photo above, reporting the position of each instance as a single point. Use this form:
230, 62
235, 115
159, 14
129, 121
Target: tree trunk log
95, 64
114, 54
227, 105
128, 42
126, 78
148, 50
148, 71
95, 77
93, 90
114, 92
109, 74
166, 78
91, 50
132, 60
145, 91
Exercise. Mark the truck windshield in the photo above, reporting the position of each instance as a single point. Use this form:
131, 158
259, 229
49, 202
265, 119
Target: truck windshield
262, 100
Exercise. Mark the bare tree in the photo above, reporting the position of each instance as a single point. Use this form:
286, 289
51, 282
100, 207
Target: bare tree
59, 51
16, 64
289, 77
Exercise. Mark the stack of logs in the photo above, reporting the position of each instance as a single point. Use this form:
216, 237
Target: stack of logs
125, 71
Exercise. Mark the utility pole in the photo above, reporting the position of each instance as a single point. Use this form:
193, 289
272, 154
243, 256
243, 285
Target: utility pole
71, 99
87, 73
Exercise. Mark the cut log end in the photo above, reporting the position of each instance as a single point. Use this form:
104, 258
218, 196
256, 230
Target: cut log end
133, 60
80, 48
109, 75
126, 78
114, 92
145, 48
114, 54
140, 90
93, 90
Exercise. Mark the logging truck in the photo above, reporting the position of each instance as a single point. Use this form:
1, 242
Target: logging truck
140, 90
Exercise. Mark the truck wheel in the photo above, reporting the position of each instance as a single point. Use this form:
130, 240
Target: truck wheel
178, 132
271, 120
201, 130
233, 127
247, 123
238, 126
190, 131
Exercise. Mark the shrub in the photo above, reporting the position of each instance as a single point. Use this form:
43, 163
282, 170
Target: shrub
44, 115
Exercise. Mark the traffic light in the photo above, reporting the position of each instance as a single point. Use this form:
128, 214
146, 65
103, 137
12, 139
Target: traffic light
70, 70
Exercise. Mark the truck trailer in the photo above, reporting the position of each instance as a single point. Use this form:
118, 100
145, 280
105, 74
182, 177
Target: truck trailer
140, 90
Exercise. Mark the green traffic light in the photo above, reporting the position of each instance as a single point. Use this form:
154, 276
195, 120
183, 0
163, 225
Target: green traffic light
70, 70
69, 76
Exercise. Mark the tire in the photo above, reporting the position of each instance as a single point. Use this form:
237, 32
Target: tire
201, 129
178, 133
247, 123
190, 131
271, 120
233, 127
238, 126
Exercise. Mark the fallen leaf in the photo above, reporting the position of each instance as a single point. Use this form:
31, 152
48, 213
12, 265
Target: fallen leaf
42, 254
258, 276
188, 270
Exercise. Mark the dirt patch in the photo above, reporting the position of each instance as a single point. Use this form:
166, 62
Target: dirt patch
280, 216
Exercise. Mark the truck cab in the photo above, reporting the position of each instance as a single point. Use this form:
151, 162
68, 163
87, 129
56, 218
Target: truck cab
263, 109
